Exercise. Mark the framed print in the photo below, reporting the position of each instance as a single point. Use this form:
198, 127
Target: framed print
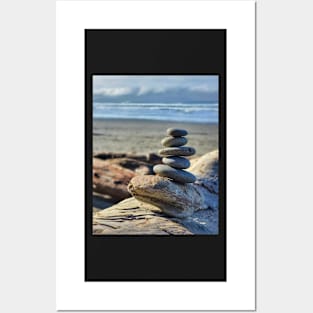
155, 155
132, 208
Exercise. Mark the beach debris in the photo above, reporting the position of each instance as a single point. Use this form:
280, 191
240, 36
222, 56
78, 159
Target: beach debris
163, 207
173, 154
111, 176
151, 158
181, 200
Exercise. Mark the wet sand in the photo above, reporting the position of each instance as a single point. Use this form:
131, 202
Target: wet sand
144, 136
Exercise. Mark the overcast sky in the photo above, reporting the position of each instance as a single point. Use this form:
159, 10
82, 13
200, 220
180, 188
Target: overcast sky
155, 89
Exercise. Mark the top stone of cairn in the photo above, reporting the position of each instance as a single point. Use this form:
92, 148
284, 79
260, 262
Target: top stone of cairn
176, 132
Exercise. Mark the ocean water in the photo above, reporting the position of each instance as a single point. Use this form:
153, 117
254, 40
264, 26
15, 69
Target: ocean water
180, 112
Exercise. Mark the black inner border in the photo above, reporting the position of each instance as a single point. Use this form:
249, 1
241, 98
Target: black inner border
155, 52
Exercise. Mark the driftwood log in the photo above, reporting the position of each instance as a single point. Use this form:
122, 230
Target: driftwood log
181, 200
150, 158
130, 217
161, 206
111, 176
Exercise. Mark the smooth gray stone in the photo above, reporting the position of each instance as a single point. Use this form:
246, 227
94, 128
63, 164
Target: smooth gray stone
176, 132
174, 141
177, 151
176, 162
180, 176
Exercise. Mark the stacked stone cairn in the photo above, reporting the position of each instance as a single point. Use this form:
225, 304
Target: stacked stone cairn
173, 159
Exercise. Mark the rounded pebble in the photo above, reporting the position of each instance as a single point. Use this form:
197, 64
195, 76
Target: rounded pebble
177, 175
176, 162
174, 141
177, 151
176, 132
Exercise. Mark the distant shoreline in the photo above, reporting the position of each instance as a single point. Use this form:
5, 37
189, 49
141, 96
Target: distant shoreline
110, 119
189, 112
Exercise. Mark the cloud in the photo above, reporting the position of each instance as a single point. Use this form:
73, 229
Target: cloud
156, 89
113, 92
200, 88
143, 90
148, 95
146, 90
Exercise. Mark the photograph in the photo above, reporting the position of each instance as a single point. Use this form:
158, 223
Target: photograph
155, 154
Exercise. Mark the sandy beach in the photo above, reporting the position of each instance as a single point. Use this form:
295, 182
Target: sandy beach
144, 136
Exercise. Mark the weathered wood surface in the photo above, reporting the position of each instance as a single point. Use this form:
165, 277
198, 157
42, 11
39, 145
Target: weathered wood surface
129, 217
100, 202
150, 158
181, 200
159, 210
111, 176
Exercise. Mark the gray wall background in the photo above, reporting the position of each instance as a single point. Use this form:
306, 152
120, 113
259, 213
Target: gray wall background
284, 156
